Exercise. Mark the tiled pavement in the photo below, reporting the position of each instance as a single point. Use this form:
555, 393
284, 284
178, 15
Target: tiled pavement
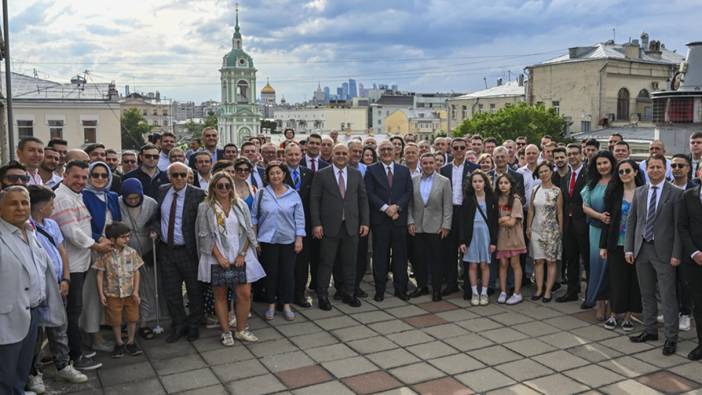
402, 348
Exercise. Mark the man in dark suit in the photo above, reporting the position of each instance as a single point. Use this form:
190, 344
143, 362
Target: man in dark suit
312, 159
389, 187
575, 228
339, 213
501, 158
175, 221
148, 173
457, 171
653, 243
203, 170
690, 228
210, 138
300, 178
257, 177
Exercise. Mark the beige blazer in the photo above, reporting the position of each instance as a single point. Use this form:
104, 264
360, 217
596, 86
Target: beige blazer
438, 211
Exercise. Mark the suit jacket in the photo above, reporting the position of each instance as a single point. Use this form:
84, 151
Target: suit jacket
517, 179
330, 210
193, 198
321, 164
116, 186
573, 206
15, 313
665, 232
468, 167
196, 181
191, 159
690, 223
306, 177
262, 173
380, 193
438, 211
468, 211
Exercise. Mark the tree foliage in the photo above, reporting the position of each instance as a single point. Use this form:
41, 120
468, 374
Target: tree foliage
134, 128
196, 128
512, 121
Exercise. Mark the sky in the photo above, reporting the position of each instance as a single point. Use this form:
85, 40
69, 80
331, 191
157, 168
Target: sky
176, 46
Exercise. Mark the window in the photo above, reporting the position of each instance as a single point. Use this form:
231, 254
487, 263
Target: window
242, 90
25, 128
89, 131
453, 111
145, 113
654, 85
464, 112
480, 108
492, 108
165, 113
56, 128
155, 112
623, 104
585, 126
556, 106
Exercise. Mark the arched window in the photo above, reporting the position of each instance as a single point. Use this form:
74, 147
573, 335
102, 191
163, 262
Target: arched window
623, 105
242, 91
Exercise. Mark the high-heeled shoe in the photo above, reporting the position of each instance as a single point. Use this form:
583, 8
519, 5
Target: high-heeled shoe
547, 300
535, 297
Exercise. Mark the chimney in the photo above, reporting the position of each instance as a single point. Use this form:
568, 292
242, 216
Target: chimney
632, 50
499, 81
644, 41
692, 80
654, 49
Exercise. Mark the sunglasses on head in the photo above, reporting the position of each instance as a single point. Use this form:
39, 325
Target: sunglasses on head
99, 175
17, 178
179, 175
223, 187
678, 165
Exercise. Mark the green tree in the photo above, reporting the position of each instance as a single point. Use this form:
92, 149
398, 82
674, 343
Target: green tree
134, 128
516, 120
196, 128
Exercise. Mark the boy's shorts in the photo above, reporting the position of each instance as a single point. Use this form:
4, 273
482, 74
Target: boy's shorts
115, 307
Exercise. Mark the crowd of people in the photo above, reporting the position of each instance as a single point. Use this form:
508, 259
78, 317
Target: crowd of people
85, 233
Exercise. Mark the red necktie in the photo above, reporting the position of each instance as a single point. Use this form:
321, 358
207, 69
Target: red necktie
390, 176
571, 185
171, 221
342, 184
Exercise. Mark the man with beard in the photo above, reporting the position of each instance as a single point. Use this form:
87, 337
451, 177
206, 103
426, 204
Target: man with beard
47, 169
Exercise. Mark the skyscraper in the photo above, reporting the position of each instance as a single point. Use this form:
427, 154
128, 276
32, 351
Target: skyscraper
345, 91
352, 89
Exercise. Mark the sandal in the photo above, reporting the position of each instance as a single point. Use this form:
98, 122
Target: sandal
146, 333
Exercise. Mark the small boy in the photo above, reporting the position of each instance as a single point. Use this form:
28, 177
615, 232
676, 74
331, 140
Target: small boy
118, 287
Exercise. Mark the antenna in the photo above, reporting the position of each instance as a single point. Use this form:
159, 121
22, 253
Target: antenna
614, 34
485, 80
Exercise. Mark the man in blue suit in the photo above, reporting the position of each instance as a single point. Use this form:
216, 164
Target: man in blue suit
389, 188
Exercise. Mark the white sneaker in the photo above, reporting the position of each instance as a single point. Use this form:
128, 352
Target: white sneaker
684, 323
475, 300
232, 320
36, 383
246, 336
514, 299
227, 339
660, 318
484, 300
72, 375
502, 298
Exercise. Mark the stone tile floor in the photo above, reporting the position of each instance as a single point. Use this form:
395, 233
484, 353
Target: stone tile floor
399, 348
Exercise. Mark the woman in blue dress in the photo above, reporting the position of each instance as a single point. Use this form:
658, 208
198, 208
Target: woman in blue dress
599, 174
478, 234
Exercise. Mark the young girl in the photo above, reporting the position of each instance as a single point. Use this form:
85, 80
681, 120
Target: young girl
478, 231
510, 238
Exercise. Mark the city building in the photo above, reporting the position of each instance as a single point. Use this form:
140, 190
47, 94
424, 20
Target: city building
206, 108
603, 85
157, 112
79, 112
424, 123
184, 110
238, 118
386, 105
492, 99
323, 119
267, 100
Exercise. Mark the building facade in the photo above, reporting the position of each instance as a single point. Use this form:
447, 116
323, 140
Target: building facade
323, 119
238, 117
493, 99
79, 112
158, 113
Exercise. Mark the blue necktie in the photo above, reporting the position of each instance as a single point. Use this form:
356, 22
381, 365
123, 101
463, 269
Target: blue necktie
296, 179
650, 216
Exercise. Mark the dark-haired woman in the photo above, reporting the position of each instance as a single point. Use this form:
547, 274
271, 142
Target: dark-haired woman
599, 175
369, 156
242, 173
624, 294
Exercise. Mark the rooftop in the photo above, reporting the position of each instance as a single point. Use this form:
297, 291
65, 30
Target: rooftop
396, 100
25, 87
611, 50
508, 89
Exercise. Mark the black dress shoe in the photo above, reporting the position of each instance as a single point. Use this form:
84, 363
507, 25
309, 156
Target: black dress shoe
536, 297
175, 335
337, 295
449, 290
643, 337
379, 297
352, 301
193, 334
361, 293
586, 306
568, 297
324, 303
669, 347
303, 303
435, 296
419, 292
402, 296
696, 354
546, 300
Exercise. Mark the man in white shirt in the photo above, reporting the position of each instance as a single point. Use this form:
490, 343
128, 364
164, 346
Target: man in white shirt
30, 153
168, 141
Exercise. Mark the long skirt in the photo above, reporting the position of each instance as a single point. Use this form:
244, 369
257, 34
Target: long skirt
624, 294
597, 283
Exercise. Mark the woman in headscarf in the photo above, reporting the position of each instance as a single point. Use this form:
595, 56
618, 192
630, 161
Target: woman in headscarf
137, 209
103, 206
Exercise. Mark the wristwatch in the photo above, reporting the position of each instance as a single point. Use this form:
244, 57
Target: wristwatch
242, 254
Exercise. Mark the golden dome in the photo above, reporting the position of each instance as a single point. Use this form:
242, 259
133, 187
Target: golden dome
268, 88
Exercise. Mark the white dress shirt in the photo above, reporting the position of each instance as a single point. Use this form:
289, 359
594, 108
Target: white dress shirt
178, 238
457, 183
385, 169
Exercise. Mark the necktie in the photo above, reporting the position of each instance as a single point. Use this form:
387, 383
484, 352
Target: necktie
314, 165
342, 184
571, 185
296, 179
171, 220
389, 176
253, 179
650, 216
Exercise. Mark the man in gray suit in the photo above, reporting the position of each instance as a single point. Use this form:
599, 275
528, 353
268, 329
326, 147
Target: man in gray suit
339, 213
28, 290
429, 220
653, 244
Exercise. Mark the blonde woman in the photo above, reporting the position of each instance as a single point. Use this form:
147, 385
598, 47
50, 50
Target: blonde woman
227, 249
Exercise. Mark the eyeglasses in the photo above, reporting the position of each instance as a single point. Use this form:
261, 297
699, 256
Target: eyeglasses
104, 176
459, 147
625, 171
242, 170
223, 187
153, 157
179, 175
678, 165
13, 178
